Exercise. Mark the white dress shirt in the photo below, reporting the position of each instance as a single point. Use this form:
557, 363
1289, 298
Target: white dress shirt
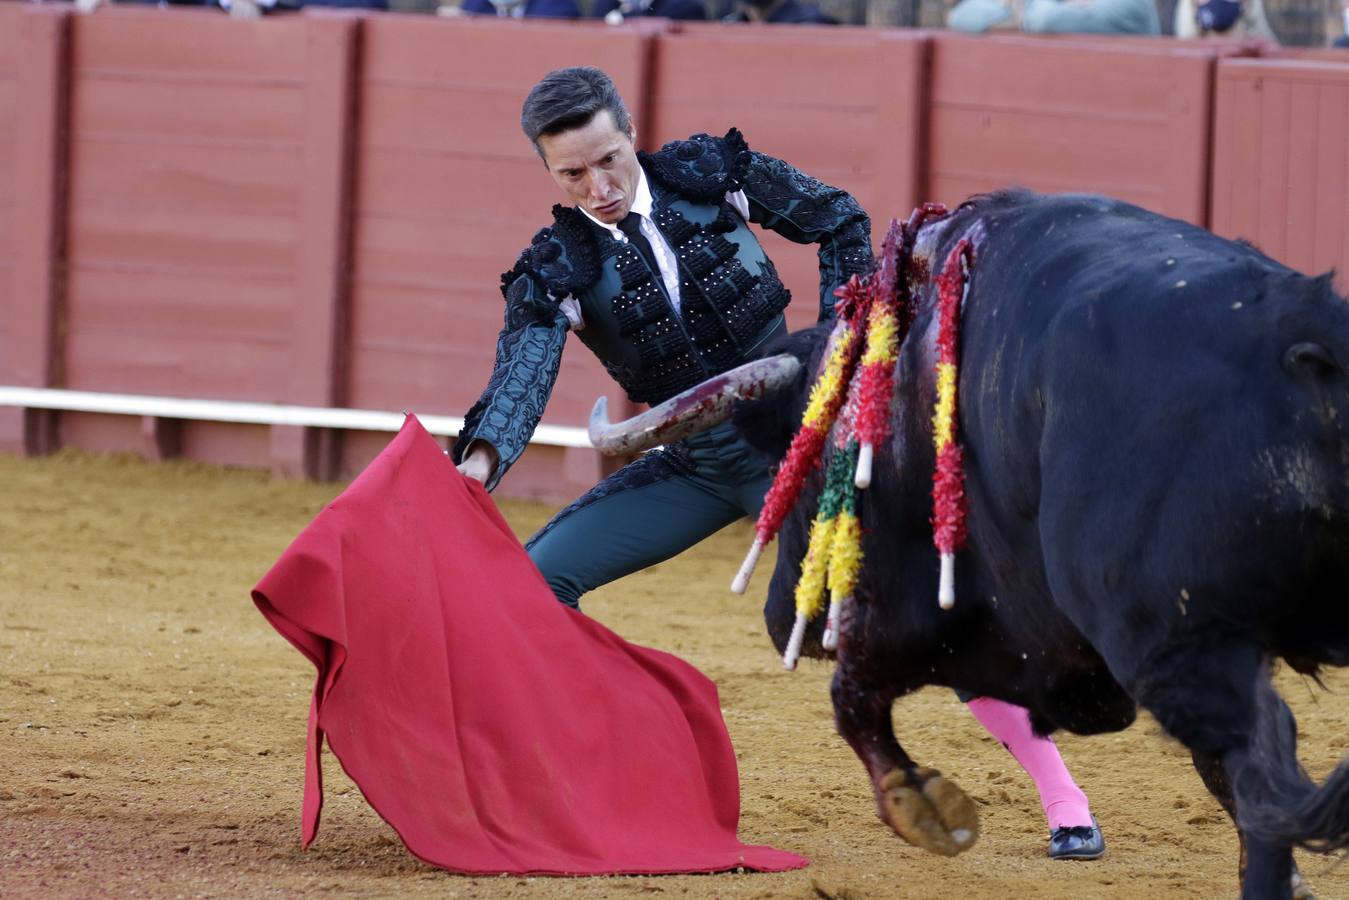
665, 256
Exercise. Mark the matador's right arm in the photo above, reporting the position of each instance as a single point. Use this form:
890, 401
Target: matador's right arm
528, 351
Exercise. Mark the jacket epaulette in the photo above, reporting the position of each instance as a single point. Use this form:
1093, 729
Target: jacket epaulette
703, 168
562, 257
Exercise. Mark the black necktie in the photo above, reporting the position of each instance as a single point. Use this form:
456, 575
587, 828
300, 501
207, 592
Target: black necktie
630, 225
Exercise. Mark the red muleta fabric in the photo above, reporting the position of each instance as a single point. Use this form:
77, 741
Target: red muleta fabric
495, 729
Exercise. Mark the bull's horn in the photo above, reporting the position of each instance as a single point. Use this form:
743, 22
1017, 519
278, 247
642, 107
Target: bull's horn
697, 409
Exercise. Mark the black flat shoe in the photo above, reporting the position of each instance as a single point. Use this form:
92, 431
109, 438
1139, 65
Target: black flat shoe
1077, 842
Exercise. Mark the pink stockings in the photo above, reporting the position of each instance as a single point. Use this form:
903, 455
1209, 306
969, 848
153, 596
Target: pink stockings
1063, 802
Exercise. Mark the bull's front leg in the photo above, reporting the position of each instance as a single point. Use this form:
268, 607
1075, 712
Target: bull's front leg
920, 805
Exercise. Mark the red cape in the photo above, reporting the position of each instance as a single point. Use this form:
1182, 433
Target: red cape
495, 729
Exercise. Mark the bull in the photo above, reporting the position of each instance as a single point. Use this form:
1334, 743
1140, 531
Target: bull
1156, 431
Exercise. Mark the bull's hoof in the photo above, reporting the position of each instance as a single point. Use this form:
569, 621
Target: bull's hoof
928, 811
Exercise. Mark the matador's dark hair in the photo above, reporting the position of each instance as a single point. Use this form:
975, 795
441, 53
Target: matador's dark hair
570, 98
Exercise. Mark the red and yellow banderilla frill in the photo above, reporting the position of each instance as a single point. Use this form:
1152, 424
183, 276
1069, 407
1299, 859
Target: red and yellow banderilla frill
876, 312
834, 554
948, 478
826, 397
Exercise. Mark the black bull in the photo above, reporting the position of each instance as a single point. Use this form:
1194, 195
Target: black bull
1156, 429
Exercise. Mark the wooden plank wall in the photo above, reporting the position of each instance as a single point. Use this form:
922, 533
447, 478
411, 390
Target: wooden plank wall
186, 151
187, 142
1281, 161
38, 162
9, 95
1126, 118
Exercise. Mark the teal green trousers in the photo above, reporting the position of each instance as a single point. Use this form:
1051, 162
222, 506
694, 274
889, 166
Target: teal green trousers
650, 510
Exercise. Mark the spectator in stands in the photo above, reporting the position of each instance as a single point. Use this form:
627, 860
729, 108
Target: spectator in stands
1226, 18
615, 11
978, 16
1343, 39
1057, 16
242, 9
779, 12
522, 9
87, 6
239, 8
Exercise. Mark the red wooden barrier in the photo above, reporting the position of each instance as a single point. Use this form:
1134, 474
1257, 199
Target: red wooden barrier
9, 126
315, 210
32, 228
844, 105
1124, 117
188, 149
1281, 160
320, 305
448, 193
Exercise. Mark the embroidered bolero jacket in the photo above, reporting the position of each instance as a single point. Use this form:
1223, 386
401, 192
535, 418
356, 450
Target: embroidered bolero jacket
731, 298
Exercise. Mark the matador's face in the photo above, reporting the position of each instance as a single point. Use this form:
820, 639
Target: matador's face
595, 165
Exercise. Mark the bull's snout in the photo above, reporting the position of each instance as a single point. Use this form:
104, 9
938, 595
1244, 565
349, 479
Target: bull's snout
1308, 359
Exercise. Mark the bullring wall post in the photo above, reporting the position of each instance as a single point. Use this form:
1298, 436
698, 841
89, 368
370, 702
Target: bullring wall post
9, 98
319, 340
34, 41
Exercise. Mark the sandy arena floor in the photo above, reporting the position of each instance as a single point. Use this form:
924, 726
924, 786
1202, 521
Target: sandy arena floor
152, 726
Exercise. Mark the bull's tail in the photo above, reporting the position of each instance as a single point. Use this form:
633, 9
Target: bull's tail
1275, 799
1325, 814
1316, 819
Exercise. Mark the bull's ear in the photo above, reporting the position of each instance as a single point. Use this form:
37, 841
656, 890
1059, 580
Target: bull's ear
806, 345
1326, 282
768, 423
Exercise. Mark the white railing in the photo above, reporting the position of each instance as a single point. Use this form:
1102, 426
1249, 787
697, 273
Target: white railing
257, 413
